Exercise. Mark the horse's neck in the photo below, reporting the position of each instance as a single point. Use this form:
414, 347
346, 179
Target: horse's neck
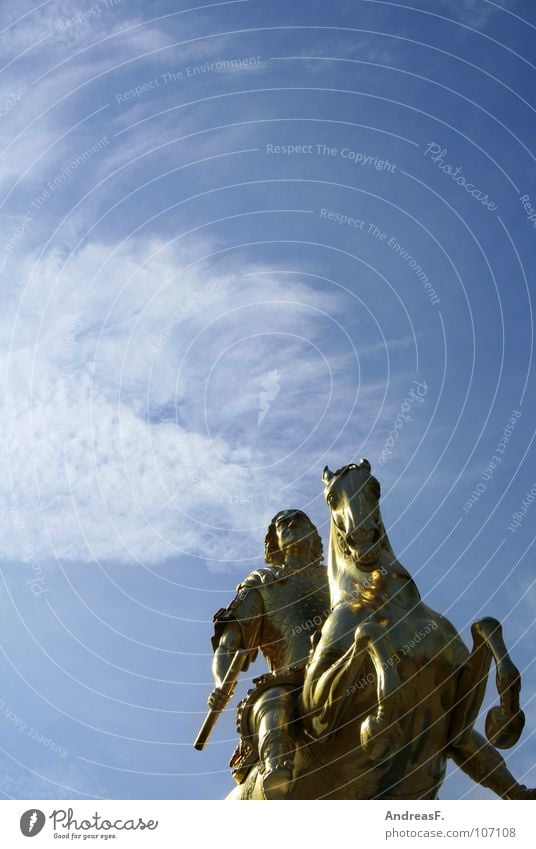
333, 571
347, 582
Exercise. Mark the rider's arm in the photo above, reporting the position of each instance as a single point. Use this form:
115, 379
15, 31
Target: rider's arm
237, 627
230, 643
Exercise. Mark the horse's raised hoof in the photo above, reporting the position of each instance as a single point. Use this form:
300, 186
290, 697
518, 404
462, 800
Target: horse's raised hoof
276, 783
503, 730
379, 740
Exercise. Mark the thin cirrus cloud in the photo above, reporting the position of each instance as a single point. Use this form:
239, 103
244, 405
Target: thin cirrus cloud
225, 295
109, 415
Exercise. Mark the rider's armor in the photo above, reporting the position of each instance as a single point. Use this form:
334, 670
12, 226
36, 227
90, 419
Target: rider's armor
279, 610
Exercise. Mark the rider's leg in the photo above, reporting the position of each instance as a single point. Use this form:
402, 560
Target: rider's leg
272, 715
482, 762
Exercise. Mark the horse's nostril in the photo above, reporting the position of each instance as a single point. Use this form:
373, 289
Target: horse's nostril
354, 537
363, 535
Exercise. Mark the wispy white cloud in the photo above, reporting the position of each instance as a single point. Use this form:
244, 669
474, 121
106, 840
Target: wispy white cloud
132, 398
474, 13
57, 55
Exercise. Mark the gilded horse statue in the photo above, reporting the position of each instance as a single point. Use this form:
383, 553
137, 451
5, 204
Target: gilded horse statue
396, 671
389, 692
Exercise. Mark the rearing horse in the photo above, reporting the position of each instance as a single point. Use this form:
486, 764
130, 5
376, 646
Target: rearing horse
397, 672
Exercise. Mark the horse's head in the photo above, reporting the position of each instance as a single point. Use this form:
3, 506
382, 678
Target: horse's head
353, 496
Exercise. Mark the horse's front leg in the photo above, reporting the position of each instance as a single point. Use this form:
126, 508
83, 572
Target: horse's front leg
381, 732
335, 666
333, 679
326, 686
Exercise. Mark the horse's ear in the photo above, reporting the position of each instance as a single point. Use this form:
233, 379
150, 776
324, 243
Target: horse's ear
364, 464
327, 476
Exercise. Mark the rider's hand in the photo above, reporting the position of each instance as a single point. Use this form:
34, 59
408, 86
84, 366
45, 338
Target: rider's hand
216, 700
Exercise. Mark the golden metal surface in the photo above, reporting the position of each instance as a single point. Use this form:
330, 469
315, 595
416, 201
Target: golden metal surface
389, 691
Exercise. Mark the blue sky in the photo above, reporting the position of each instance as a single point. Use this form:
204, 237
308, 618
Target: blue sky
238, 241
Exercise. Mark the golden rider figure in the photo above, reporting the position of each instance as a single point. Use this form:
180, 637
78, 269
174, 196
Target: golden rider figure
277, 610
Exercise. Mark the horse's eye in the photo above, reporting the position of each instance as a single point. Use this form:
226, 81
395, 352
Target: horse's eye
331, 499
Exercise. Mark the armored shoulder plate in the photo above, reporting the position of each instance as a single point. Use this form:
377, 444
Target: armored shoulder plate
257, 579
245, 610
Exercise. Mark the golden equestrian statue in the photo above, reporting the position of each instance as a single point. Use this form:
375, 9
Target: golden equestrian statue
370, 691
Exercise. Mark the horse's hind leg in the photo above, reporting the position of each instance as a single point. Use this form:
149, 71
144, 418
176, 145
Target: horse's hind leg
482, 762
471, 687
504, 724
380, 731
